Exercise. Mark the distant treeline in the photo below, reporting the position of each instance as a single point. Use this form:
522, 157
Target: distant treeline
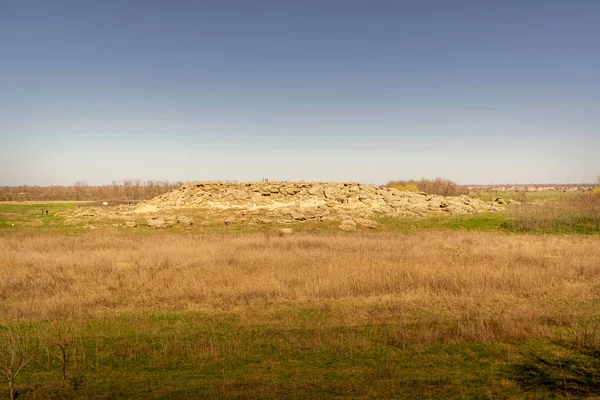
439, 186
118, 190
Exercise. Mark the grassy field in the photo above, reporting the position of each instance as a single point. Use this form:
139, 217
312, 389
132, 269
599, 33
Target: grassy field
441, 307
20, 216
27, 217
523, 196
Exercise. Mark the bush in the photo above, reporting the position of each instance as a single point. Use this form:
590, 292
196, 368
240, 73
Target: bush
439, 186
407, 188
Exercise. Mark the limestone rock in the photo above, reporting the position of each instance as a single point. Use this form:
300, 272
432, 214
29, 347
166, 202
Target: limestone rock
366, 223
347, 225
157, 223
184, 220
145, 208
298, 216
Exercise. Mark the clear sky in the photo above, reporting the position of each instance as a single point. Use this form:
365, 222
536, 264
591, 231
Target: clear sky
476, 91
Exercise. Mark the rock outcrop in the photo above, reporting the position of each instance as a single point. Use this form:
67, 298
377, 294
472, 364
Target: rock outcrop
300, 201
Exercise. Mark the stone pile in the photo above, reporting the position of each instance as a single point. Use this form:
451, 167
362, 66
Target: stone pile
284, 202
168, 221
123, 217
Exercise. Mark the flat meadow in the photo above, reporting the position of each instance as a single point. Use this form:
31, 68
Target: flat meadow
502, 305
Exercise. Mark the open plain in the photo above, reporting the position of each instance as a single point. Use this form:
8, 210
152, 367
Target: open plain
501, 303
299, 199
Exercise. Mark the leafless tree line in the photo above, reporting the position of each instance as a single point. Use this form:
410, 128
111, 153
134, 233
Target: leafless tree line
134, 189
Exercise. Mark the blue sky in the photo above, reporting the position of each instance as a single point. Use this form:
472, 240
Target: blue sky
475, 91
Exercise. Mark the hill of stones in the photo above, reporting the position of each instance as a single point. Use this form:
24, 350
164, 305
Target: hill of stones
286, 202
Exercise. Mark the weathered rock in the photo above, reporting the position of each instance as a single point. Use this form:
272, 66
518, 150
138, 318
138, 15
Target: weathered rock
146, 208
184, 220
366, 223
347, 225
349, 221
298, 216
438, 202
157, 223
286, 231
333, 193
418, 207
130, 224
316, 190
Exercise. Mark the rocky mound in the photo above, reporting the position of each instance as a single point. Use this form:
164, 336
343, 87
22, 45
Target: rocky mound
297, 201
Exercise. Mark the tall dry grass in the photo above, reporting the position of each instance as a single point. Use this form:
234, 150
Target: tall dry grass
435, 286
576, 214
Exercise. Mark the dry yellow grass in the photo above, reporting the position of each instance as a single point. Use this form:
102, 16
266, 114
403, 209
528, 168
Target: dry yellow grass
440, 286
580, 214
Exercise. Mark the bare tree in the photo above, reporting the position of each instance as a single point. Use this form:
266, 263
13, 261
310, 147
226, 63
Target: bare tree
79, 189
61, 340
17, 350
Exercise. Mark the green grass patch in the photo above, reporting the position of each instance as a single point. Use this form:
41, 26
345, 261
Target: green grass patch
28, 218
524, 196
200, 355
490, 222
31, 216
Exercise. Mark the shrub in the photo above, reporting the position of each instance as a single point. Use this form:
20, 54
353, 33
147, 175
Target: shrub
17, 350
439, 186
409, 187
